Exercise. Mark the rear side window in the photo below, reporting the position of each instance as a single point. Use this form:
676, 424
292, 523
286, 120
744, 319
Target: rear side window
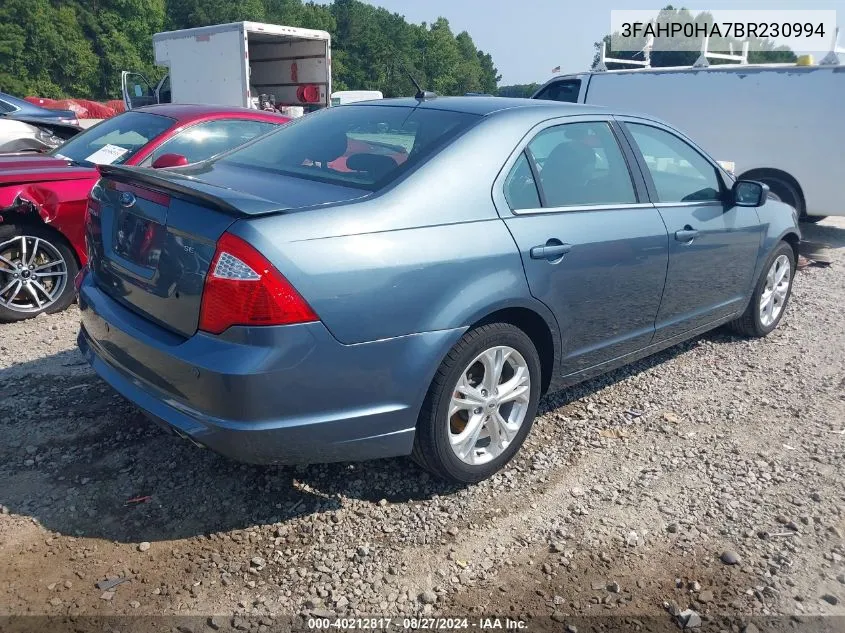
566, 90
366, 147
204, 140
520, 186
581, 164
5, 108
679, 172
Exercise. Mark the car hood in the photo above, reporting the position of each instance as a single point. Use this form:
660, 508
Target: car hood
28, 167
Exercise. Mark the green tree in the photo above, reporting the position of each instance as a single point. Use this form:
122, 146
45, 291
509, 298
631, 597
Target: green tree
120, 32
43, 50
518, 90
77, 48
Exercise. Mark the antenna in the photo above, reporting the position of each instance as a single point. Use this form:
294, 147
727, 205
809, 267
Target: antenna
646, 51
422, 95
703, 61
832, 57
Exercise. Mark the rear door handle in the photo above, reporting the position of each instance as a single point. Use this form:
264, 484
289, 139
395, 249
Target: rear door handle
688, 234
553, 249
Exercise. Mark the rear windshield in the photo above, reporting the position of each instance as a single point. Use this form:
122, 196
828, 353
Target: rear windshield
115, 140
366, 147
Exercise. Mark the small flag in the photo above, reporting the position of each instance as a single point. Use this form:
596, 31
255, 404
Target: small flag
556, 69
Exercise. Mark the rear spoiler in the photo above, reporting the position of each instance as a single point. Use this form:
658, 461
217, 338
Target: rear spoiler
196, 191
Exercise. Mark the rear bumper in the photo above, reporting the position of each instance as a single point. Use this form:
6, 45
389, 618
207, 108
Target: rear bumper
275, 395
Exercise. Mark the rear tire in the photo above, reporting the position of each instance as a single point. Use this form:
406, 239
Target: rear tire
27, 282
761, 317
463, 401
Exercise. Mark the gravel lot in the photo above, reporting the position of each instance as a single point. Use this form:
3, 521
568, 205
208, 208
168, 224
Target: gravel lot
631, 492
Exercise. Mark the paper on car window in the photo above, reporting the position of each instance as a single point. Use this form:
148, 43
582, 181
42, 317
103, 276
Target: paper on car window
106, 155
728, 165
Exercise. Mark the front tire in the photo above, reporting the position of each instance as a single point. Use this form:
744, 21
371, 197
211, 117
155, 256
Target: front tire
771, 294
480, 406
37, 267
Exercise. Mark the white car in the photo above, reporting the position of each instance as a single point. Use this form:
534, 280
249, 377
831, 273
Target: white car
23, 136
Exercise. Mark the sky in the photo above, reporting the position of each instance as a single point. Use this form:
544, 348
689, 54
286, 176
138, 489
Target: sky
528, 38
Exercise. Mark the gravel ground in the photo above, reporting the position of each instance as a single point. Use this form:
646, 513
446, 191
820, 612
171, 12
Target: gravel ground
709, 477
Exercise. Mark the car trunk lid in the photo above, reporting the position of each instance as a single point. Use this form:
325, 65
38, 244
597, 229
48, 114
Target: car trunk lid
152, 235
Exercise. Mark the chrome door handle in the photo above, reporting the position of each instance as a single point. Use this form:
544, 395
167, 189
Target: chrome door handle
688, 234
553, 249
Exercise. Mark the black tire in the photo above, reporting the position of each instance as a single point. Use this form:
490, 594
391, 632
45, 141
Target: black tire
55, 240
750, 323
432, 449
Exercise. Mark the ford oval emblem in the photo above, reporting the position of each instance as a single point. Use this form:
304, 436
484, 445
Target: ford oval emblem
127, 199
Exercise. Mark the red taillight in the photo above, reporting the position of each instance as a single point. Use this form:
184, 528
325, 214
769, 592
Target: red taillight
243, 288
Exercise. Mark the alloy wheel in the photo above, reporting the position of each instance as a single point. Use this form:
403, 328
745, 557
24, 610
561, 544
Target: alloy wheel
775, 291
489, 405
33, 274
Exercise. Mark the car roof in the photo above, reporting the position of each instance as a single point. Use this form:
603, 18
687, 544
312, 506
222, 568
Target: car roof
484, 106
190, 112
23, 104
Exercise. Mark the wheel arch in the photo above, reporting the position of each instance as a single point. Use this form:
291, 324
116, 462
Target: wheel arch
22, 210
541, 329
793, 240
764, 173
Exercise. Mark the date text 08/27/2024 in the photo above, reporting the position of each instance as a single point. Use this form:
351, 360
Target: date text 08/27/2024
416, 623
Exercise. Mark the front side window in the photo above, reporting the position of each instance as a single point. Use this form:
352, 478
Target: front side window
581, 164
115, 140
679, 172
204, 140
565, 90
366, 147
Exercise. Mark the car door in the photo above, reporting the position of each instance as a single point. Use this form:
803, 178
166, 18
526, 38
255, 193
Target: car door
713, 245
593, 248
137, 90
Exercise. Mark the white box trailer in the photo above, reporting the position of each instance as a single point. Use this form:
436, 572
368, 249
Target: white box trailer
235, 64
781, 124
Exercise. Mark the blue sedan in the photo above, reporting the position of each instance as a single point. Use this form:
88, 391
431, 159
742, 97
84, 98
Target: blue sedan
15, 108
408, 277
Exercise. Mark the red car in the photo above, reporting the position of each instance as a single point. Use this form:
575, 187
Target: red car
43, 196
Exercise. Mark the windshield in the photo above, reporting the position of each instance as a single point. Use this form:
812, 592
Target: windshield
366, 147
115, 140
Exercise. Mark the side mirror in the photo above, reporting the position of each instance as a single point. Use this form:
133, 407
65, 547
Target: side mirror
749, 193
169, 160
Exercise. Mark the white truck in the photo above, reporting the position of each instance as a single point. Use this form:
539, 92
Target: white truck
237, 64
781, 124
